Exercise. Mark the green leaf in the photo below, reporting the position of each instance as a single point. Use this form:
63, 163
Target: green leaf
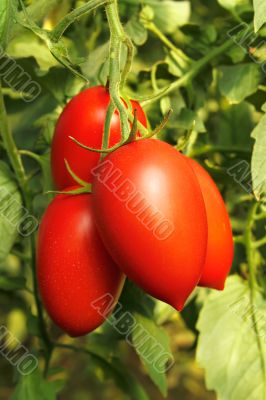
227, 131
235, 5
135, 299
258, 164
62, 84
33, 387
8, 10
228, 346
168, 15
95, 62
10, 210
136, 31
12, 283
260, 13
29, 45
124, 380
150, 342
186, 119
176, 102
239, 81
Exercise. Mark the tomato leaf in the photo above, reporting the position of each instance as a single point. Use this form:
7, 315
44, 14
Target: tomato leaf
258, 164
235, 5
229, 349
33, 386
29, 45
10, 210
168, 15
239, 81
260, 13
96, 61
187, 119
228, 132
150, 341
136, 31
8, 10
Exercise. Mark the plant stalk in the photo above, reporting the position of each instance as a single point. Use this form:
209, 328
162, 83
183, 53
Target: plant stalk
17, 165
117, 37
188, 76
65, 22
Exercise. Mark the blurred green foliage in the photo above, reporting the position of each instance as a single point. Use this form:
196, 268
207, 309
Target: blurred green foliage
215, 83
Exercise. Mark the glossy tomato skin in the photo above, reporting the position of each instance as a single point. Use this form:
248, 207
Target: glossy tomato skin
150, 213
73, 267
83, 118
220, 246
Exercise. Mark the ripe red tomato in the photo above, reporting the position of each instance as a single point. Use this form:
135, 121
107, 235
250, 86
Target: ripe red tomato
150, 213
220, 247
73, 266
83, 118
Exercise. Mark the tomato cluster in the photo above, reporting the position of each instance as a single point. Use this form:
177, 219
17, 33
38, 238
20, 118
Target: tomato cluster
154, 215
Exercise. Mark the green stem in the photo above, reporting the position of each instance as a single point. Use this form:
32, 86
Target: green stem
117, 36
47, 359
30, 154
160, 126
16, 162
116, 146
141, 127
153, 28
10, 146
239, 239
260, 216
107, 124
188, 76
180, 146
154, 69
259, 243
221, 149
36, 11
61, 27
130, 54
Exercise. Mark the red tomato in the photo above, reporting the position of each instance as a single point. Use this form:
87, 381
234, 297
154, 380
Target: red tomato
73, 267
83, 118
150, 213
220, 247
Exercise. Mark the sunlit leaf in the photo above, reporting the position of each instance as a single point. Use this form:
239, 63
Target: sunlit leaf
229, 349
8, 10
152, 345
260, 13
168, 14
